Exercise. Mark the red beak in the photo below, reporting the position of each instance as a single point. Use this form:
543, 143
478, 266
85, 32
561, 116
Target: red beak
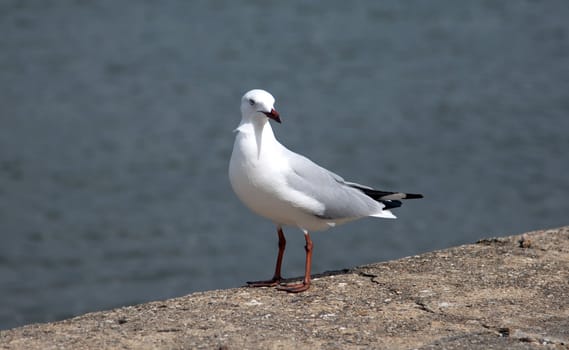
274, 115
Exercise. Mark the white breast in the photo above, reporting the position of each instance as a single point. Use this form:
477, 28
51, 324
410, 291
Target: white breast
256, 173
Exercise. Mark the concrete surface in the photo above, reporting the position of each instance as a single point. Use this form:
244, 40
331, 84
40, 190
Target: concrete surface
499, 293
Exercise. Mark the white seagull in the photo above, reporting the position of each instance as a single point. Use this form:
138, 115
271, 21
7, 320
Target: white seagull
289, 189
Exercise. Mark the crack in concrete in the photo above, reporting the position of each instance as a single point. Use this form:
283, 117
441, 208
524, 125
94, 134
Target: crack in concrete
424, 307
374, 281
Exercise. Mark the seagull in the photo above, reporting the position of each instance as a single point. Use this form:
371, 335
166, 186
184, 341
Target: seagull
290, 189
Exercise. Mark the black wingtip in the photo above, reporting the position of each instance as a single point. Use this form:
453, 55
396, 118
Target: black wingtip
413, 196
385, 195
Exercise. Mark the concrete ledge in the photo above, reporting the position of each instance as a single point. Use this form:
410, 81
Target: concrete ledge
510, 292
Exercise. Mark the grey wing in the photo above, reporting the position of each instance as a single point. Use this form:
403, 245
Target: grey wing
340, 200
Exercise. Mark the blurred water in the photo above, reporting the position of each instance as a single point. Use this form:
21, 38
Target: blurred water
116, 120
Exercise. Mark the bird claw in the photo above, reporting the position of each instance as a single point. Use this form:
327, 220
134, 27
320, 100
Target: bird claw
294, 288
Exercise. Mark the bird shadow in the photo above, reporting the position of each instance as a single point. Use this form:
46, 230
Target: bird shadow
314, 276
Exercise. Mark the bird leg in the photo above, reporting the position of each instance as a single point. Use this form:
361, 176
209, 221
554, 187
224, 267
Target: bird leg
301, 287
277, 276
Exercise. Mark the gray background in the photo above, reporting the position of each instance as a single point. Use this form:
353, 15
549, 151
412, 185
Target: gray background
116, 124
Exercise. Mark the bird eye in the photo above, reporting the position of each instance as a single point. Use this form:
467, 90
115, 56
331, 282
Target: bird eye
251, 101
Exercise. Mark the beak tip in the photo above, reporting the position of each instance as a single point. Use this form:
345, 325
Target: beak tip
274, 115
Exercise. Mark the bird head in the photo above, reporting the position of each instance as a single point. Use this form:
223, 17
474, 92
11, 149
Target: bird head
259, 104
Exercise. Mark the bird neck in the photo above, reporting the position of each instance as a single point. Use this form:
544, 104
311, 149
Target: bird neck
259, 129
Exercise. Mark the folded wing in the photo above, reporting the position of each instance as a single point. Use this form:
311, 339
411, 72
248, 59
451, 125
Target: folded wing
340, 199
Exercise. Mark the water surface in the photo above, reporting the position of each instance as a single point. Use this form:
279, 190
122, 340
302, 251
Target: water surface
116, 131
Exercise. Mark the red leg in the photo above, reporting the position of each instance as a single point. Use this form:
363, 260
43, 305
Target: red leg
277, 276
301, 287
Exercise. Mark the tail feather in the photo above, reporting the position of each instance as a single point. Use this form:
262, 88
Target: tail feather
385, 214
390, 204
